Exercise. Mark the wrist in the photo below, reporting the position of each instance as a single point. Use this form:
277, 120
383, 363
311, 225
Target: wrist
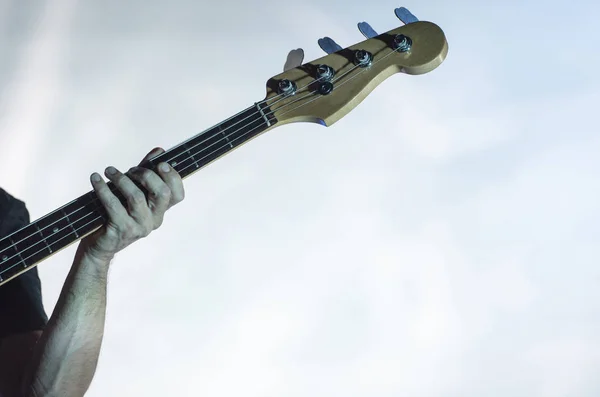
93, 259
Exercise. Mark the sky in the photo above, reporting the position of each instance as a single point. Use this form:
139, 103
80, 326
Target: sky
439, 240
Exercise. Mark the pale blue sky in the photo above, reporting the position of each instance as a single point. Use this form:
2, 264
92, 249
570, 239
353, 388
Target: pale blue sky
440, 240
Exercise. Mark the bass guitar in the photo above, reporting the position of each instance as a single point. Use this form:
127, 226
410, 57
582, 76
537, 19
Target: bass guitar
322, 91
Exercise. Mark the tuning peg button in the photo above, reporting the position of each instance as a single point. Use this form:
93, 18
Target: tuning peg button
328, 45
294, 59
405, 16
367, 30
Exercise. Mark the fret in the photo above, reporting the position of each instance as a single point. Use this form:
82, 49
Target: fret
18, 252
30, 242
180, 159
43, 239
9, 258
202, 149
195, 162
220, 139
225, 135
69, 221
56, 229
68, 224
87, 213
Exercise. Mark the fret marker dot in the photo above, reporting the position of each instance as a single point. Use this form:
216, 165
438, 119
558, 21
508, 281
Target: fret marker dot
55, 230
174, 163
4, 257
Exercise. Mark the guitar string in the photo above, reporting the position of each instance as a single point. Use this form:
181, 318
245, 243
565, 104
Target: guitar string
191, 157
289, 110
96, 200
265, 114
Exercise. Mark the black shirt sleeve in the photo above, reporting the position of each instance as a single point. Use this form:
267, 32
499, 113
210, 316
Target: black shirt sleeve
21, 307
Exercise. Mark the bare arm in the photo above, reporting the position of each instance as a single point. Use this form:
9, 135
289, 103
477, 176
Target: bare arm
64, 359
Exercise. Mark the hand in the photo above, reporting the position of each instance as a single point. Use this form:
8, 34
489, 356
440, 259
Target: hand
142, 215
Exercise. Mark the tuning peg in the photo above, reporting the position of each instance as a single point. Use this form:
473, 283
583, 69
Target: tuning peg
405, 16
294, 59
328, 45
367, 30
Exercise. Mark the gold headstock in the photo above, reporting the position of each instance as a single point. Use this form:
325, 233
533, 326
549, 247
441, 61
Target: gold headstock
415, 48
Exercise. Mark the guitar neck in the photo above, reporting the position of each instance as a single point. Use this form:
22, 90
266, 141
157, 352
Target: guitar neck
30, 245
321, 91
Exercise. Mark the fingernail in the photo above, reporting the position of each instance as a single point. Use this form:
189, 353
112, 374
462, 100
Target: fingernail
111, 170
164, 167
96, 177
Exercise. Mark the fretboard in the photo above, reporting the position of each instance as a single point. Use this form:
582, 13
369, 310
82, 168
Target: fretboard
28, 246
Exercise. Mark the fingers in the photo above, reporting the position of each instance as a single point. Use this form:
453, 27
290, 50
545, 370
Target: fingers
159, 193
136, 199
173, 181
110, 202
164, 188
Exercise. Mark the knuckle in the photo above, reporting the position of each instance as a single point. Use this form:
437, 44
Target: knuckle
139, 173
164, 192
113, 202
137, 197
144, 173
133, 232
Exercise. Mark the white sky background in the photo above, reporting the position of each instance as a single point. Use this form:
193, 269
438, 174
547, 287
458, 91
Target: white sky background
440, 240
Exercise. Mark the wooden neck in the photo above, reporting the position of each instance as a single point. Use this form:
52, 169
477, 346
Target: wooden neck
28, 246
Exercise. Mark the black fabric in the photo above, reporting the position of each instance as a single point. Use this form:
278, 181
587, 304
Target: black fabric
21, 307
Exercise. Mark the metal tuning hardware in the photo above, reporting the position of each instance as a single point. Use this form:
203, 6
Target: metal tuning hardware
324, 76
325, 88
328, 45
405, 16
287, 87
363, 58
367, 30
402, 43
325, 73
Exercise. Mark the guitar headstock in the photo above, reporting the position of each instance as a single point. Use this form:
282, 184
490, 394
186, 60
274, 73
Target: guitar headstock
326, 89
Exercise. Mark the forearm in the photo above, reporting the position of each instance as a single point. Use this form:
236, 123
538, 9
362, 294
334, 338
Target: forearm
65, 358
